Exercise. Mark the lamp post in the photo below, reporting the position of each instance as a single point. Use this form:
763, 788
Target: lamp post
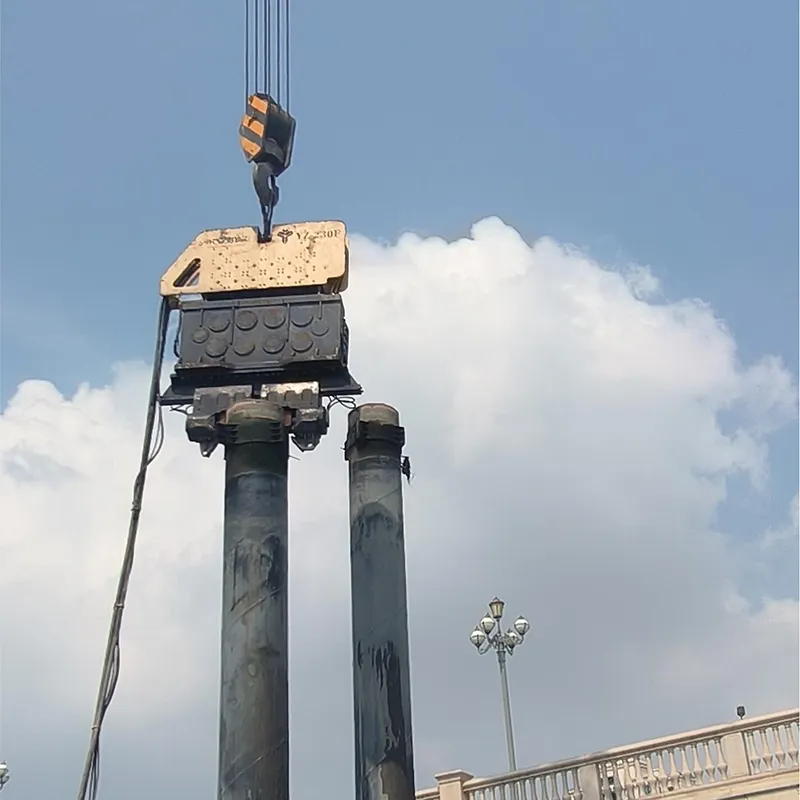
488, 635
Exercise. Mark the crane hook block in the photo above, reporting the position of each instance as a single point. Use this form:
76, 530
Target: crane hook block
301, 254
267, 133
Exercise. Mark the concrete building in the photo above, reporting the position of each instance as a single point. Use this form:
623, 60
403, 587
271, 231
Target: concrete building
750, 758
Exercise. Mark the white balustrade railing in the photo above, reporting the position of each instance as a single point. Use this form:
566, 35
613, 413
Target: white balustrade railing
700, 758
548, 784
772, 747
666, 767
746, 748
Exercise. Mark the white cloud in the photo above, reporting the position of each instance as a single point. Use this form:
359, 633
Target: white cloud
642, 282
569, 455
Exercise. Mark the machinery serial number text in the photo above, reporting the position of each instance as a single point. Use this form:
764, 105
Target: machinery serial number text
286, 235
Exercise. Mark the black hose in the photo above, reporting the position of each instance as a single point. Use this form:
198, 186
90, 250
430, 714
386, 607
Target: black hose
110, 674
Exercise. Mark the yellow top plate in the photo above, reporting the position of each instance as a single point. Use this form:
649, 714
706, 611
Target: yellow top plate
232, 259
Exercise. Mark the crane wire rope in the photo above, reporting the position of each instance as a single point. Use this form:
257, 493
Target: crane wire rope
267, 40
266, 49
256, 49
286, 48
278, 49
246, 51
152, 443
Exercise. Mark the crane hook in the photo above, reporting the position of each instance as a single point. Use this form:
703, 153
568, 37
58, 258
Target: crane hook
267, 191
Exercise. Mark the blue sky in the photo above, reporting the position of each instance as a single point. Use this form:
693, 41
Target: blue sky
659, 132
663, 133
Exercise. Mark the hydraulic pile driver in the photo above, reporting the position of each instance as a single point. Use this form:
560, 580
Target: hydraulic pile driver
261, 319
261, 357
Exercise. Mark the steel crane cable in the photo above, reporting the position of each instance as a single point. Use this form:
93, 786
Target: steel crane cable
152, 443
287, 27
266, 49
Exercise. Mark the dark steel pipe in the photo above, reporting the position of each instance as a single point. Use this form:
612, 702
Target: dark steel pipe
254, 698
384, 767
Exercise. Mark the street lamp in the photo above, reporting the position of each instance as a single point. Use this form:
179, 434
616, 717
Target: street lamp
5, 775
503, 644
